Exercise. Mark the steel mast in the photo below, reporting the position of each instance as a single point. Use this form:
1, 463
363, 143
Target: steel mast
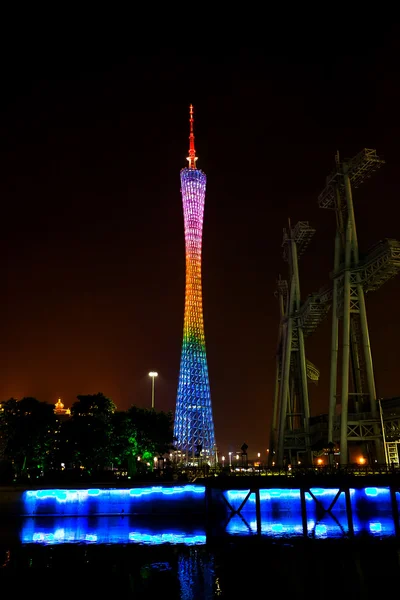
352, 278
291, 409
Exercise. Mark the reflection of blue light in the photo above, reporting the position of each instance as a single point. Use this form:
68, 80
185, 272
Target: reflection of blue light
320, 530
288, 526
167, 538
326, 528
382, 527
100, 530
237, 526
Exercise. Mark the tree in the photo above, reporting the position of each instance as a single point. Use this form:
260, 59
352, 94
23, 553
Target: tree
28, 427
140, 433
124, 445
94, 405
85, 438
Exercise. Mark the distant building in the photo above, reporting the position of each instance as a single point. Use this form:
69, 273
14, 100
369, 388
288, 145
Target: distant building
61, 412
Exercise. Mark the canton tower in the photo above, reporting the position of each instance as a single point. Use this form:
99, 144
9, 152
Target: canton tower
194, 425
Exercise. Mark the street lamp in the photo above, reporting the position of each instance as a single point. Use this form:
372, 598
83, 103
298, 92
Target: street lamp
230, 458
223, 461
153, 375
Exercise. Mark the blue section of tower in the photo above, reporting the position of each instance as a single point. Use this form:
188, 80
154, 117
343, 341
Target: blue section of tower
194, 423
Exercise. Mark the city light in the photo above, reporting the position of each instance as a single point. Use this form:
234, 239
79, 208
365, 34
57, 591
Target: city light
153, 375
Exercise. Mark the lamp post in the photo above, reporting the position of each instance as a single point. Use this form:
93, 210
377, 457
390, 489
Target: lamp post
153, 375
230, 458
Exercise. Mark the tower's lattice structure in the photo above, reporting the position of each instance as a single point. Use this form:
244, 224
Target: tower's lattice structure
290, 435
193, 425
354, 390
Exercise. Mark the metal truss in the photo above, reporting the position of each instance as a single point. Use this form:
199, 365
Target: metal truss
392, 449
360, 428
352, 278
295, 441
363, 430
301, 234
289, 432
381, 264
392, 430
314, 311
359, 168
390, 414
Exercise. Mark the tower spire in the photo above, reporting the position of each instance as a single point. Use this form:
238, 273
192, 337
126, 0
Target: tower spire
192, 152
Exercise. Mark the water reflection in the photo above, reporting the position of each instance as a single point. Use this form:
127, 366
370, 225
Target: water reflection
273, 524
290, 526
108, 530
96, 557
196, 575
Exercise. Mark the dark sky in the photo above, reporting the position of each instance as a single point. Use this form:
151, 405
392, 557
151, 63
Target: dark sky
92, 261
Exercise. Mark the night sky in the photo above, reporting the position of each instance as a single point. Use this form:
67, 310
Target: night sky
92, 261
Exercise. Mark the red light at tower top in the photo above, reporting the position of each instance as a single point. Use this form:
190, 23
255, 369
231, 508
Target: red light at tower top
192, 152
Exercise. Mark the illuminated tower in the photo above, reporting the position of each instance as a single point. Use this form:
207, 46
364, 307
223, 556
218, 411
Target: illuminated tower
194, 426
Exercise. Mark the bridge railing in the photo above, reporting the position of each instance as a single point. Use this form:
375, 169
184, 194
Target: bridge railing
298, 471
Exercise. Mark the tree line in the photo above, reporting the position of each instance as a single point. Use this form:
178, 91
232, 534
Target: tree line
95, 438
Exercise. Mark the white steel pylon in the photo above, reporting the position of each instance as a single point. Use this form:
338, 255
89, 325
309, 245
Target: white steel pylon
352, 278
289, 438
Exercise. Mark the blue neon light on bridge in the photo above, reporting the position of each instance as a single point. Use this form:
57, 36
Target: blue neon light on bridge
143, 500
373, 511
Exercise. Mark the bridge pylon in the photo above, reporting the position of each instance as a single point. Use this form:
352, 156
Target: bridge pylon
289, 438
353, 415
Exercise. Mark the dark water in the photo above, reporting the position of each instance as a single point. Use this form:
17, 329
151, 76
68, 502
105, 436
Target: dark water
102, 557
